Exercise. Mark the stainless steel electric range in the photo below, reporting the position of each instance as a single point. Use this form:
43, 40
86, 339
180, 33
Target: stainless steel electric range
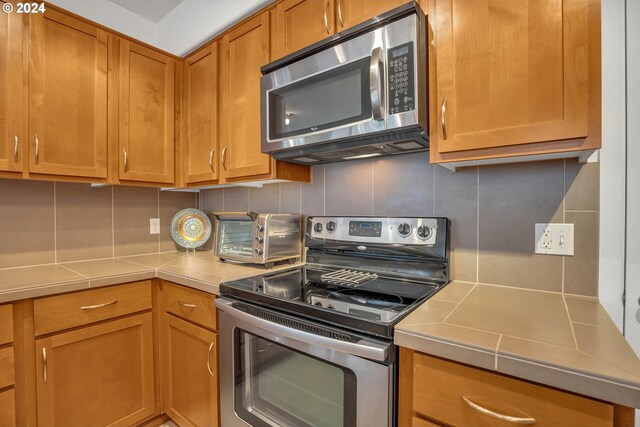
313, 345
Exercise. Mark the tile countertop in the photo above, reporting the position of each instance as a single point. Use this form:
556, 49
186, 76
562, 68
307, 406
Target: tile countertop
200, 270
563, 341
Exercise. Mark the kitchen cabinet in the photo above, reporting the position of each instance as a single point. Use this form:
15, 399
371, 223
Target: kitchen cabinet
12, 112
67, 96
436, 391
146, 84
100, 374
200, 127
300, 23
514, 79
7, 408
353, 12
190, 362
7, 368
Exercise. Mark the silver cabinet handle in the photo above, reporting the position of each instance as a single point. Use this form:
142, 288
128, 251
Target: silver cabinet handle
340, 13
507, 418
126, 159
211, 160
375, 83
15, 148
37, 160
44, 364
224, 156
104, 304
209, 360
443, 122
326, 19
184, 304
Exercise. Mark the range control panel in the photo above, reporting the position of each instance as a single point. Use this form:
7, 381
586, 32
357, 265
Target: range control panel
401, 231
401, 80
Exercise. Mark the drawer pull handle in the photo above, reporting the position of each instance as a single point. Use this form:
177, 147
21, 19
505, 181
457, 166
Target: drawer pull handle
184, 304
37, 159
209, 360
211, 160
507, 418
326, 20
44, 364
91, 307
15, 148
443, 118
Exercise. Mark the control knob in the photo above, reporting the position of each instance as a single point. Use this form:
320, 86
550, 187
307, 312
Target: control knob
260, 228
331, 226
259, 239
424, 232
258, 251
317, 227
404, 229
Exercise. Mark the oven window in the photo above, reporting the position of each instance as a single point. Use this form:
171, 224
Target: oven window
278, 386
235, 238
324, 101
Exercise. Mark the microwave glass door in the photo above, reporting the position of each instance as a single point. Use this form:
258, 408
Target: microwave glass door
235, 238
328, 100
279, 386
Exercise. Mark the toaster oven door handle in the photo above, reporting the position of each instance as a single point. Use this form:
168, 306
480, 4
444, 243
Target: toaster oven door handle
364, 348
375, 84
238, 216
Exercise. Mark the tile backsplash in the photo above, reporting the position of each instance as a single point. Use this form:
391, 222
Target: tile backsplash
493, 210
46, 222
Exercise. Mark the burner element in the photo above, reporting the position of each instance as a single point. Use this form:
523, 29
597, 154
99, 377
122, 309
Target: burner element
349, 278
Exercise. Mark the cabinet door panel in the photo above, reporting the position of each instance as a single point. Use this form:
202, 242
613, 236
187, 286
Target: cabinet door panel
97, 376
510, 73
191, 391
146, 114
67, 96
12, 135
353, 12
244, 51
8, 408
300, 23
201, 121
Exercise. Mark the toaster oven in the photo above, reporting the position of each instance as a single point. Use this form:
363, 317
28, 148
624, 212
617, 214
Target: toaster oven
257, 238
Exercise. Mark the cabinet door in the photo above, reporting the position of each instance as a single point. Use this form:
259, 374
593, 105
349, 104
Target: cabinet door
100, 375
244, 51
67, 96
11, 91
8, 408
353, 12
201, 115
146, 104
510, 73
300, 23
191, 383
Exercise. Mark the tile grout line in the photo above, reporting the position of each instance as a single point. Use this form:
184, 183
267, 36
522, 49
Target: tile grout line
477, 224
582, 210
113, 224
159, 234
459, 302
564, 211
324, 190
300, 198
573, 332
279, 198
373, 188
55, 224
223, 191
498, 347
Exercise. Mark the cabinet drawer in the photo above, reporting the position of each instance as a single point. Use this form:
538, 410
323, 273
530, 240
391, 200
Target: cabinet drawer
6, 323
190, 304
80, 308
439, 387
419, 422
8, 408
7, 377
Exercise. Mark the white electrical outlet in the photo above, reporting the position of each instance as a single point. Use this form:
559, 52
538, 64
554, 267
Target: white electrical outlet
554, 239
154, 225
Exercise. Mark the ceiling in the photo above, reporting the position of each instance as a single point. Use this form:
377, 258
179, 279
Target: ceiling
153, 10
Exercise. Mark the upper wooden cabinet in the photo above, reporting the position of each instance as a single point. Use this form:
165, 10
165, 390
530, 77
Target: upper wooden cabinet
512, 74
353, 12
67, 96
299, 23
244, 50
146, 114
12, 132
200, 125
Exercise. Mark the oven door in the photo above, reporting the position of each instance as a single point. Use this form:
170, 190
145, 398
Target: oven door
234, 236
293, 375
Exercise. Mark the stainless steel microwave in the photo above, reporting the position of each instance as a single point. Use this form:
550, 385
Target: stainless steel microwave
361, 93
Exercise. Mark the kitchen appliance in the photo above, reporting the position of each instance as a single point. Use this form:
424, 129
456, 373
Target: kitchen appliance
257, 238
313, 345
360, 93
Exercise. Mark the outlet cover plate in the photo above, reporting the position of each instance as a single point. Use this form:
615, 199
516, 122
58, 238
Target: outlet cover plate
154, 225
554, 239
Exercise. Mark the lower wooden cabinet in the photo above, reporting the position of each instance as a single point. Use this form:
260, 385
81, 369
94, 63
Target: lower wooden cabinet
101, 375
191, 374
7, 408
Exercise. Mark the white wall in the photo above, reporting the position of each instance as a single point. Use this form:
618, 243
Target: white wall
612, 161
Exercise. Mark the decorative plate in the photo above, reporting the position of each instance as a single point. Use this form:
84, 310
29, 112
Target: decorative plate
190, 228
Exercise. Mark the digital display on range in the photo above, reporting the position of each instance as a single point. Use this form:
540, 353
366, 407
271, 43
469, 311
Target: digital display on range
365, 228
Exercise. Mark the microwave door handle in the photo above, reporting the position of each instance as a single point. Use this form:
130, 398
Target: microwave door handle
375, 84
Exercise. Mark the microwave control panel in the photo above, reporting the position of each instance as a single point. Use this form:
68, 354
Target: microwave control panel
401, 80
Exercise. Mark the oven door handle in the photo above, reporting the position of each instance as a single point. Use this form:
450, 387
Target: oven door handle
364, 348
376, 88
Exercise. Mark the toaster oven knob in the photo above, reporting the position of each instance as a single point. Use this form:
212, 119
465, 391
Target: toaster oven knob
259, 251
259, 239
331, 226
404, 229
424, 232
260, 228
317, 227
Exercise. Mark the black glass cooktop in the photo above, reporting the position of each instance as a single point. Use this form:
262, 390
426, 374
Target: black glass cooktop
355, 300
